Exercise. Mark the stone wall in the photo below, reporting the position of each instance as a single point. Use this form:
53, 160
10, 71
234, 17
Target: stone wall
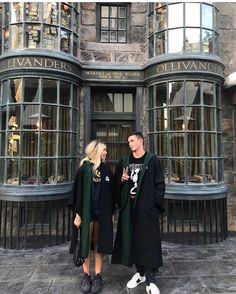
227, 44
135, 52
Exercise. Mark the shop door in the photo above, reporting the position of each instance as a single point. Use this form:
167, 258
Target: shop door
114, 134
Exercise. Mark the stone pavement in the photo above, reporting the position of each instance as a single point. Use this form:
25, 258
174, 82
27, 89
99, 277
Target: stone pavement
187, 269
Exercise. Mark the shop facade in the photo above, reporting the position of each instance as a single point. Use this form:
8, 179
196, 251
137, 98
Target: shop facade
72, 72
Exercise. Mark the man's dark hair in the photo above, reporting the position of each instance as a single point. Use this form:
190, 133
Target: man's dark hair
137, 134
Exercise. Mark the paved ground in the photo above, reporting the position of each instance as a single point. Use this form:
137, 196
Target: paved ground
187, 269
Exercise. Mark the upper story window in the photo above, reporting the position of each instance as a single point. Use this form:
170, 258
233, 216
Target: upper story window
48, 25
182, 27
113, 23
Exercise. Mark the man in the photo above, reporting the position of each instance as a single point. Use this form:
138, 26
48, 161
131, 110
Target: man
141, 192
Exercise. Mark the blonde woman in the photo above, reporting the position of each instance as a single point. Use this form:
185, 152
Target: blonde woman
93, 196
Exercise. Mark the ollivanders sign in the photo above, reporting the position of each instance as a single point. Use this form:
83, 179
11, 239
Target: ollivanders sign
38, 63
184, 66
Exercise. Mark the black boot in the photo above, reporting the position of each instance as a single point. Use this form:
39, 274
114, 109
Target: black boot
86, 284
97, 284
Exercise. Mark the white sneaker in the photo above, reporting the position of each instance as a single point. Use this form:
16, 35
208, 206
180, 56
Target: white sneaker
135, 281
152, 289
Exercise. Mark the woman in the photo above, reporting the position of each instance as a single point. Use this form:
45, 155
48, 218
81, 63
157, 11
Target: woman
93, 196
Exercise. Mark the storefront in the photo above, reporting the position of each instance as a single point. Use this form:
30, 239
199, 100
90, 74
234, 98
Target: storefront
53, 104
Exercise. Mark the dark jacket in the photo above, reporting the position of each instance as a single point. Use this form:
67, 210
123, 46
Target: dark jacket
81, 202
139, 241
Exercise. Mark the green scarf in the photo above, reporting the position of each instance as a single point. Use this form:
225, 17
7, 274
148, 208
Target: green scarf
87, 183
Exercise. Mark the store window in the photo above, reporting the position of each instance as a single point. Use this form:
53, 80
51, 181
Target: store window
48, 25
113, 23
38, 131
182, 27
184, 130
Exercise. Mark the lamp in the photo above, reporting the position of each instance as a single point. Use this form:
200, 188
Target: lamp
183, 118
39, 118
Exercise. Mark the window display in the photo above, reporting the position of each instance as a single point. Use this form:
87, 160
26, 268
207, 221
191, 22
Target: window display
183, 132
39, 145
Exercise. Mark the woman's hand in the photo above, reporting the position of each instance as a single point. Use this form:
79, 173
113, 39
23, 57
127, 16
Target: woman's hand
77, 221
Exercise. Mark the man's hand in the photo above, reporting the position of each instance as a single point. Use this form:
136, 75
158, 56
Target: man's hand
77, 221
125, 175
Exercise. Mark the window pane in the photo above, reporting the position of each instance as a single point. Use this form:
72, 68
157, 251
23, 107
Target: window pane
113, 11
1, 170
64, 144
104, 24
161, 95
12, 172
65, 119
177, 171
207, 16
121, 24
192, 40
14, 117
65, 96
48, 143
193, 118
30, 143
161, 18
177, 144
113, 36
16, 91
192, 93
33, 11
16, 11
208, 93
50, 37
194, 142
176, 93
50, 14
75, 21
194, 171
6, 38
75, 45
128, 102
209, 119
121, 37
161, 144
104, 36
47, 171
49, 91
207, 41
108, 101
175, 40
31, 91
29, 172
151, 47
210, 171
65, 15
31, 117
161, 119
210, 145
65, 41
161, 43
16, 37
151, 23
192, 14
63, 172
49, 117
177, 119
13, 143
113, 24
118, 102
121, 12
104, 11
173, 11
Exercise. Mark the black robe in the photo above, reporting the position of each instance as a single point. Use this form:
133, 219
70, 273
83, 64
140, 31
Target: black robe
144, 246
107, 208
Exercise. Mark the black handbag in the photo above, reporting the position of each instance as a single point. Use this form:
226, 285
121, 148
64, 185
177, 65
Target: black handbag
78, 260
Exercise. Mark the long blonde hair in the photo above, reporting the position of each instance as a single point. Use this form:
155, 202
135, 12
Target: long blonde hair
93, 153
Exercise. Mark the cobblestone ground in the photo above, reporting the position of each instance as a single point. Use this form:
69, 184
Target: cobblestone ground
187, 269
